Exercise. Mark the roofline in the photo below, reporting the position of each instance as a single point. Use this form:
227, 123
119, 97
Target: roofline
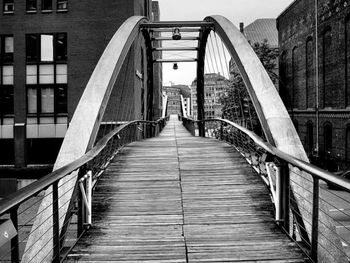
286, 9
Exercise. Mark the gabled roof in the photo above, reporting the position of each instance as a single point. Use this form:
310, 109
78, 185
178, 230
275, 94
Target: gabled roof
260, 29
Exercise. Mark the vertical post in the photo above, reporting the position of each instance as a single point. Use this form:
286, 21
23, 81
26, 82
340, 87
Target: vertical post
89, 198
203, 37
80, 223
315, 215
14, 240
317, 79
55, 224
221, 131
80, 215
279, 196
284, 170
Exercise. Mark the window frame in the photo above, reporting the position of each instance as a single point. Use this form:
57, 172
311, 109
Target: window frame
58, 9
44, 9
8, 2
31, 10
40, 86
4, 112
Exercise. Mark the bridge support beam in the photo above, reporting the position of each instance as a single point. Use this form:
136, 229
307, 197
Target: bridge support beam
81, 136
279, 131
203, 37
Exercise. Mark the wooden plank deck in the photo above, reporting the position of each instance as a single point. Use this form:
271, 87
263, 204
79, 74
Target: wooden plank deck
178, 198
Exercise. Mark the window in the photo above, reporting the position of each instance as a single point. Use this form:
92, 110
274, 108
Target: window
347, 144
46, 48
309, 137
347, 64
46, 74
9, 6
327, 68
61, 47
31, 6
62, 5
310, 76
327, 137
284, 91
6, 76
46, 5
295, 80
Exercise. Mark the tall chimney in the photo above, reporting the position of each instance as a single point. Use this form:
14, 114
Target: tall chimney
241, 27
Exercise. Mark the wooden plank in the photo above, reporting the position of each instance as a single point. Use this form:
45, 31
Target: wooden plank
178, 198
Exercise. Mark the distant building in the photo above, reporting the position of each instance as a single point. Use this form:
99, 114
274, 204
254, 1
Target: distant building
214, 87
329, 117
174, 94
262, 29
48, 52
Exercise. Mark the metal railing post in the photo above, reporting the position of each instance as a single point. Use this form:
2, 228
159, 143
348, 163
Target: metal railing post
55, 223
221, 131
89, 197
279, 196
14, 240
315, 216
285, 187
201, 128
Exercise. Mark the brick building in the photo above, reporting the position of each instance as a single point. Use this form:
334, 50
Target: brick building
317, 97
49, 49
214, 86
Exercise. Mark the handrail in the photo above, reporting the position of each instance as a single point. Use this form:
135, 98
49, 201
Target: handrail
283, 175
25, 193
94, 162
307, 167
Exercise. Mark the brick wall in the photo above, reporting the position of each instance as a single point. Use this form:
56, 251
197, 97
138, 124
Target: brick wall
297, 35
89, 26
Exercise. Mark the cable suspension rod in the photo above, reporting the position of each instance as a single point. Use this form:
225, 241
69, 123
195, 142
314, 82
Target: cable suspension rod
212, 45
211, 58
226, 62
207, 62
217, 47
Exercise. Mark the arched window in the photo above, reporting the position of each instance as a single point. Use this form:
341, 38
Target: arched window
347, 144
296, 125
347, 64
283, 87
327, 137
327, 68
295, 79
309, 137
310, 74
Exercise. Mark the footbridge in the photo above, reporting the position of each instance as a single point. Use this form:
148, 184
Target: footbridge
175, 189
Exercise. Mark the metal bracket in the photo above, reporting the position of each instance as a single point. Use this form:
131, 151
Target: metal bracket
87, 196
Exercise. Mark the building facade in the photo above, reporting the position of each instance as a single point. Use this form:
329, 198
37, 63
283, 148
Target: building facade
315, 76
215, 86
49, 49
174, 93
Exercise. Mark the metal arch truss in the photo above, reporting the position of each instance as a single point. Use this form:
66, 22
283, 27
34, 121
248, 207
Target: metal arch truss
84, 125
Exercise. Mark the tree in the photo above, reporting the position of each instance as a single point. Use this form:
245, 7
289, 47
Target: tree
236, 102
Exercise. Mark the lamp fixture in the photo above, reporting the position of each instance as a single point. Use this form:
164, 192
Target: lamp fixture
176, 34
175, 66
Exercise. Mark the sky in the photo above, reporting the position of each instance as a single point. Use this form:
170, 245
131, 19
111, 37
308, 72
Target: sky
237, 11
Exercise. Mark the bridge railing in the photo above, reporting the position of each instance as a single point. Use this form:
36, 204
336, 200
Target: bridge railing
18, 211
282, 173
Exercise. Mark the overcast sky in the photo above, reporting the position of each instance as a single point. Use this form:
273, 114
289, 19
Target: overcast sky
237, 11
